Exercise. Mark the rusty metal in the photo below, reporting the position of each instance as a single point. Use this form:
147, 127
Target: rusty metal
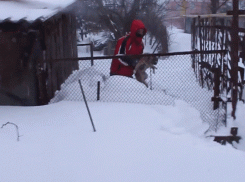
220, 33
208, 34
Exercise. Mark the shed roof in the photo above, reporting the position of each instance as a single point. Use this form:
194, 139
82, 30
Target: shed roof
31, 10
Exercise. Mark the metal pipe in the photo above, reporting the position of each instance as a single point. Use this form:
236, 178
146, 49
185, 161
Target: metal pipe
86, 105
98, 90
141, 55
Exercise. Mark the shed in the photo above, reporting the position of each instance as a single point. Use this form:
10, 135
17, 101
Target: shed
32, 34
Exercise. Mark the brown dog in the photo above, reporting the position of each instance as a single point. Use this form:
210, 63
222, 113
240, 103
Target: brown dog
143, 64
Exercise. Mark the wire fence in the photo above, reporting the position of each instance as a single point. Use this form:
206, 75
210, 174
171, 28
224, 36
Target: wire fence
174, 79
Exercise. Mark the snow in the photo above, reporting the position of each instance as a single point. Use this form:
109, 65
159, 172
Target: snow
132, 142
31, 9
177, 36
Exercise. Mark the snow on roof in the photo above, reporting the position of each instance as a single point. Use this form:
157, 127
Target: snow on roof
31, 9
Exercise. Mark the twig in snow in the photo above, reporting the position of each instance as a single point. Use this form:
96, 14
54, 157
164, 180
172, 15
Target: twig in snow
17, 129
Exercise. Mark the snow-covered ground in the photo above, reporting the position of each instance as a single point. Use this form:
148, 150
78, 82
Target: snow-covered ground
132, 142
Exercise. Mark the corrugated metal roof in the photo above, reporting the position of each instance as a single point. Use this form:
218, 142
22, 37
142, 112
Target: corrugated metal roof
31, 10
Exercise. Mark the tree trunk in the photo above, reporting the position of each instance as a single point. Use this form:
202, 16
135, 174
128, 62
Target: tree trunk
214, 6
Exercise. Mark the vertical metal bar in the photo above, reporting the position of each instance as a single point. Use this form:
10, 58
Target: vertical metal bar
201, 30
216, 88
92, 53
86, 104
150, 78
193, 45
217, 42
205, 40
98, 90
234, 57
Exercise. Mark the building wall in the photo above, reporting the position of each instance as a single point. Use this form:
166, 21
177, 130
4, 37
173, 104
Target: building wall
28, 76
61, 43
17, 67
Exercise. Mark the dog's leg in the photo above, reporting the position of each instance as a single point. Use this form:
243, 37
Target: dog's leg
145, 83
145, 76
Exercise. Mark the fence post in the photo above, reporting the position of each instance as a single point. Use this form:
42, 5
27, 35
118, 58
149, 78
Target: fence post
92, 53
98, 90
234, 57
151, 70
201, 40
193, 42
216, 98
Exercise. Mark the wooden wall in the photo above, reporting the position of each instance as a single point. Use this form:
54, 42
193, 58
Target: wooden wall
18, 67
28, 74
61, 42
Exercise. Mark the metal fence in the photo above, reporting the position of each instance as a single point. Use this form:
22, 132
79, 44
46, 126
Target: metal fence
173, 80
222, 33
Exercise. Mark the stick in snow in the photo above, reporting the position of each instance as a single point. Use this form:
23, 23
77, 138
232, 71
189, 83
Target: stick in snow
86, 104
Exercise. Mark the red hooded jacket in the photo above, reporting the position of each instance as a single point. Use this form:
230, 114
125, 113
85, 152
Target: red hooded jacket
134, 45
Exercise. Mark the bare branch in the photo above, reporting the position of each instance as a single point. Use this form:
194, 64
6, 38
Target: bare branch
222, 4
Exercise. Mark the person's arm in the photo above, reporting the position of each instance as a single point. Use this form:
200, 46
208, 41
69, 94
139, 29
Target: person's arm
132, 61
129, 61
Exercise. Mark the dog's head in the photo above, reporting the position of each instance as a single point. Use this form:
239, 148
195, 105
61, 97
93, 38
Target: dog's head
154, 60
140, 69
151, 62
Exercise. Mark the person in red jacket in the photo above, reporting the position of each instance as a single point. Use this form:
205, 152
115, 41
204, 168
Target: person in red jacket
130, 44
